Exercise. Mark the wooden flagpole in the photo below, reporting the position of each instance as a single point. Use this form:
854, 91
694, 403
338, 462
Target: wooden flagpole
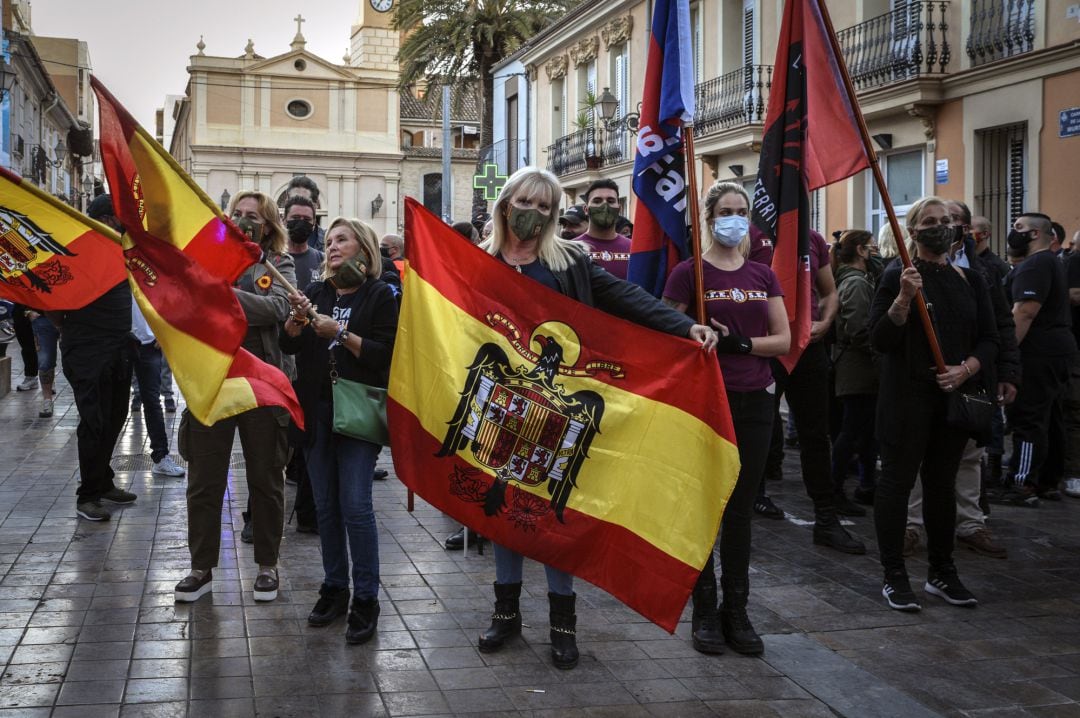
695, 225
879, 180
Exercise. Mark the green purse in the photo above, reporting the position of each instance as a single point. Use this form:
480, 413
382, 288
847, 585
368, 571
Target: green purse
359, 409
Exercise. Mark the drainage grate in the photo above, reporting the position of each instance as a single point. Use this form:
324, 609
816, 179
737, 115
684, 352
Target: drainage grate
142, 462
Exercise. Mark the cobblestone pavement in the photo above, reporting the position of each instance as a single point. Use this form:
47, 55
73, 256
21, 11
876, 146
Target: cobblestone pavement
88, 626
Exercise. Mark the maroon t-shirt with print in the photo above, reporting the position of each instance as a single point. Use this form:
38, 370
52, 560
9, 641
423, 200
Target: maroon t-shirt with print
738, 299
611, 254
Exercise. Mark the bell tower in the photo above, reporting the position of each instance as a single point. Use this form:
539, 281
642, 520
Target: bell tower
374, 44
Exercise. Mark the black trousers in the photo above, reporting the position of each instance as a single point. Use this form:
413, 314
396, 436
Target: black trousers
752, 416
1043, 385
100, 379
807, 392
24, 334
925, 442
856, 436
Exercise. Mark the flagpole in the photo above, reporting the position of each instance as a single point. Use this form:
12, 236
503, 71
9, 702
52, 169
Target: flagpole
695, 226
879, 180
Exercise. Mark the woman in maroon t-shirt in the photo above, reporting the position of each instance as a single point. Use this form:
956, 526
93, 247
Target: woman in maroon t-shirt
744, 302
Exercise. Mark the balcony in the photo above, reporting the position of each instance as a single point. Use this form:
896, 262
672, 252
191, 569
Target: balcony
589, 149
910, 41
1000, 29
733, 99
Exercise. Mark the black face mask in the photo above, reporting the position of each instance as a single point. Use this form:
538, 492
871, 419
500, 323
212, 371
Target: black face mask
1018, 242
875, 264
299, 230
937, 240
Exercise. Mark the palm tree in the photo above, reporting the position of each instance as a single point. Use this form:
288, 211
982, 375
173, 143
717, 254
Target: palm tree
457, 42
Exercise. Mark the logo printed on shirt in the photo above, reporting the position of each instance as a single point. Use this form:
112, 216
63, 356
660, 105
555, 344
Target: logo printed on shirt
739, 296
342, 315
605, 256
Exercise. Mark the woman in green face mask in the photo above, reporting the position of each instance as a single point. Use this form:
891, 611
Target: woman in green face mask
524, 238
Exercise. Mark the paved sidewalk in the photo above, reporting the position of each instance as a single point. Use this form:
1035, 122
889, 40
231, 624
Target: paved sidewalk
88, 626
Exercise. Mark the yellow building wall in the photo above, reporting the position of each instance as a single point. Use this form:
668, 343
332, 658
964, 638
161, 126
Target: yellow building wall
223, 102
949, 126
836, 209
371, 111
1059, 169
1059, 28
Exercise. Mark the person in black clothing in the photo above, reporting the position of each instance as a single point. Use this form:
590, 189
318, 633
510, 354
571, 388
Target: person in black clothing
913, 434
95, 349
1040, 296
351, 334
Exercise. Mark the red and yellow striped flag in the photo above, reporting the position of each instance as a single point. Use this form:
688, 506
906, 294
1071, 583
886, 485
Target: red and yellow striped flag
182, 257
52, 257
576, 438
149, 189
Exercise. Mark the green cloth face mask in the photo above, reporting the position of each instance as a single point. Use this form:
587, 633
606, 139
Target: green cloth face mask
527, 224
603, 216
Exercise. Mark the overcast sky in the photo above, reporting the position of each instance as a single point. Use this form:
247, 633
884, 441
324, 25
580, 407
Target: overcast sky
140, 48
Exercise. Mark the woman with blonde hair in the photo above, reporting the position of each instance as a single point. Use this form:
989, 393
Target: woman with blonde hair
352, 336
263, 431
914, 434
744, 302
523, 237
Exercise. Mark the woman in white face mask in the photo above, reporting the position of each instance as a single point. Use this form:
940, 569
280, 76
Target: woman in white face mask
745, 304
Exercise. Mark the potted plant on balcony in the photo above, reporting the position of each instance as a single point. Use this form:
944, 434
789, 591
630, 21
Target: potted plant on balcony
585, 122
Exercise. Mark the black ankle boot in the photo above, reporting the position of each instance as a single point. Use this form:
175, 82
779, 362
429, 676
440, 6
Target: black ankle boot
564, 652
705, 631
738, 632
828, 532
333, 602
506, 620
363, 617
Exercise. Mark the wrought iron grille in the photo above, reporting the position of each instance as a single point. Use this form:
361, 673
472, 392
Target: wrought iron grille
1001, 177
735, 98
1000, 29
911, 40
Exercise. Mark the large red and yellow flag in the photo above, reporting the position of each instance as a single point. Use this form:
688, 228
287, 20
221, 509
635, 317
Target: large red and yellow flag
52, 257
182, 257
576, 438
150, 190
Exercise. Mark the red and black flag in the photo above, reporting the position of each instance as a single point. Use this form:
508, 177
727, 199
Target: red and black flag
811, 139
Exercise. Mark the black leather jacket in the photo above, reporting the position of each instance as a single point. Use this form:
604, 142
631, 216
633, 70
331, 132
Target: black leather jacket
589, 284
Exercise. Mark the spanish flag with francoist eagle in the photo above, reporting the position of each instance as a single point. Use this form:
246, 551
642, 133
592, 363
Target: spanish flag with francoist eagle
52, 258
182, 257
559, 431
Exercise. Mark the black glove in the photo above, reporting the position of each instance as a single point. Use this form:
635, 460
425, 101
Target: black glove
734, 344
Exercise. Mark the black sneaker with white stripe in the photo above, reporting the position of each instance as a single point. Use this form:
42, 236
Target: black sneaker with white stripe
897, 591
944, 583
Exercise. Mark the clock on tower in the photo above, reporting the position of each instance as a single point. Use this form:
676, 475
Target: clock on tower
382, 5
370, 35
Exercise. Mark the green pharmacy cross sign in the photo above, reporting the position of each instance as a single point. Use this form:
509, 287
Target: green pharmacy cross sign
490, 181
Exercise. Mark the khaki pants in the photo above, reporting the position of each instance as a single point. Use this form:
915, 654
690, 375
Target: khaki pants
208, 449
969, 517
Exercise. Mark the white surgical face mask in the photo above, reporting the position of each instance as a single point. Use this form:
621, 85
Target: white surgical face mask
729, 231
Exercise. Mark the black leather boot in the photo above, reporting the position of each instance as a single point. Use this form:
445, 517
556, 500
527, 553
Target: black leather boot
828, 532
738, 632
705, 633
564, 652
333, 602
363, 617
506, 620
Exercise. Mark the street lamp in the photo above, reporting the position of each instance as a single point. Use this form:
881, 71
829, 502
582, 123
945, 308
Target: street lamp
61, 151
609, 105
7, 79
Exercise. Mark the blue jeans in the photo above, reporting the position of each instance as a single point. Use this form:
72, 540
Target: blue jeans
147, 365
47, 335
341, 474
508, 565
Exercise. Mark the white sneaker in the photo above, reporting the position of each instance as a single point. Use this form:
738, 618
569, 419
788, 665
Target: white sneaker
46, 409
167, 467
28, 384
1072, 488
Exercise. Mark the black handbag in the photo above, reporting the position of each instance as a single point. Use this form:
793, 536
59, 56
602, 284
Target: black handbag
970, 410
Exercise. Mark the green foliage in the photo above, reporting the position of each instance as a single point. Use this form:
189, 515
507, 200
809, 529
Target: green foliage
461, 40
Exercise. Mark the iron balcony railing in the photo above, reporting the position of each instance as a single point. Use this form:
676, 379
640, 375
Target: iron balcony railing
1000, 29
900, 45
733, 99
589, 148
